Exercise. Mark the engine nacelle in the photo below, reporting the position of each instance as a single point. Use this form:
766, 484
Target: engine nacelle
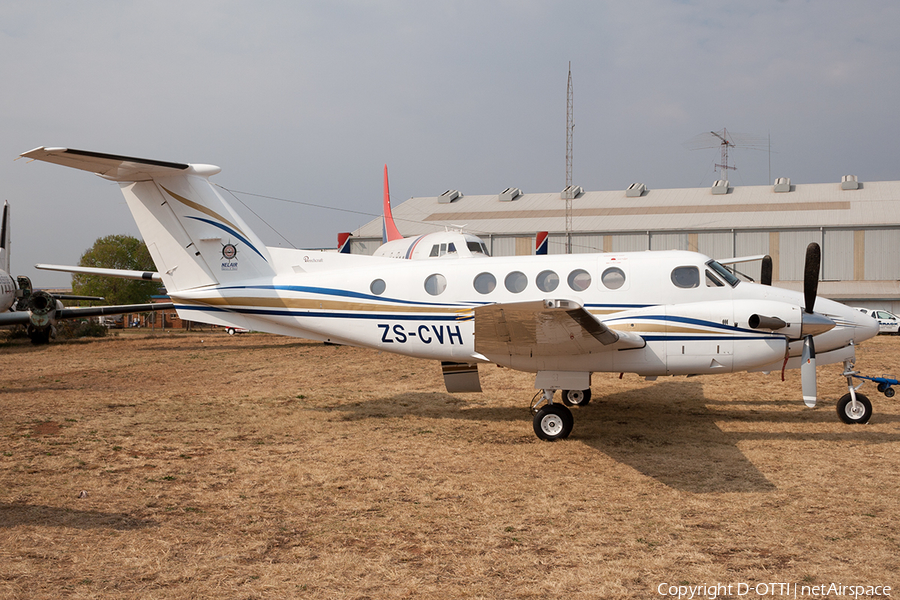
769, 315
42, 307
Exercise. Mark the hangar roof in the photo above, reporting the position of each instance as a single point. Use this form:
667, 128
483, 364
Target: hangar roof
638, 209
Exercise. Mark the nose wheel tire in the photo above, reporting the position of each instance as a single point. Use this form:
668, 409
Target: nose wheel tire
850, 414
553, 422
576, 397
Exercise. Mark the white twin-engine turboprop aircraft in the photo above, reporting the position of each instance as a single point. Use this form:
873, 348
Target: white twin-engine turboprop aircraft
562, 317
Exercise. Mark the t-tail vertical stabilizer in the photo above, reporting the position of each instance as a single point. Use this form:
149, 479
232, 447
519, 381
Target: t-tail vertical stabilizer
194, 236
390, 231
4, 238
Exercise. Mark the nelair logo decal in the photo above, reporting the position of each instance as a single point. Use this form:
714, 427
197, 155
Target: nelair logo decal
229, 257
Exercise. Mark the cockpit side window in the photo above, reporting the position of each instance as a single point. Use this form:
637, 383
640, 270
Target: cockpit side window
729, 277
686, 277
712, 280
476, 248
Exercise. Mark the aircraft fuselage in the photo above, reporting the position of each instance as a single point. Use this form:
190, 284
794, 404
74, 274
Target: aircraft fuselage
692, 319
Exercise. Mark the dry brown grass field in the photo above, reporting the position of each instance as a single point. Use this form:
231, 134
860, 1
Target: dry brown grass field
206, 466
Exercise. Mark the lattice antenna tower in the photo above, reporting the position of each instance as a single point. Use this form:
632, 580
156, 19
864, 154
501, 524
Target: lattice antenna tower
570, 126
725, 143
724, 140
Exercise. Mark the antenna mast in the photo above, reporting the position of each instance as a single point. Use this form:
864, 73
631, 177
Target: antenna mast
725, 140
725, 143
570, 126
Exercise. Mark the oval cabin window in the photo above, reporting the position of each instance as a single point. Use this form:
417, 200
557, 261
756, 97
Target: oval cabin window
484, 283
435, 284
613, 278
378, 286
579, 280
516, 282
547, 281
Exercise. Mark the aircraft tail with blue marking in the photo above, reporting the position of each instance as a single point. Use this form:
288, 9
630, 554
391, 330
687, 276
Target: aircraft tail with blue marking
195, 237
541, 242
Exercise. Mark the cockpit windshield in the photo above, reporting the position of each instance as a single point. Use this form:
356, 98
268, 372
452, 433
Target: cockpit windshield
724, 273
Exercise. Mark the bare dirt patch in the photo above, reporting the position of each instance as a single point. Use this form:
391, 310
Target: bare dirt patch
259, 466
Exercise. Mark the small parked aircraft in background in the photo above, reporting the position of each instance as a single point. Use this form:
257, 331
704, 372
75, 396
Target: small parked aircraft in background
39, 310
439, 244
562, 317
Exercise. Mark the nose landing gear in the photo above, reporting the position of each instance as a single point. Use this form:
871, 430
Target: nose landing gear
854, 407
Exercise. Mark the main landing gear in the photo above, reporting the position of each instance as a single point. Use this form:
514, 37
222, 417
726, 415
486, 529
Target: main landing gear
554, 421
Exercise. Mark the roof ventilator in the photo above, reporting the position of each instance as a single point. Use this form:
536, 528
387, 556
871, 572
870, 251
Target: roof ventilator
849, 182
448, 196
783, 184
510, 194
571, 192
635, 190
720, 186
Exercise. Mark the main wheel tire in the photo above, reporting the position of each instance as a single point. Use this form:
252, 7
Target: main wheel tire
40, 338
553, 422
848, 415
576, 397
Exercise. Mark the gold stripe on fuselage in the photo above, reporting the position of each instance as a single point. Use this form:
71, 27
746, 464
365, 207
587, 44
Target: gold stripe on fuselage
312, 304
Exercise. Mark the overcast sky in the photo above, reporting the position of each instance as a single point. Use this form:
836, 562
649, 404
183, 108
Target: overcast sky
306, 101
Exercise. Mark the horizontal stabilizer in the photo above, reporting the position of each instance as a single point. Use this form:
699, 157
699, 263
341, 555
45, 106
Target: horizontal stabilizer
121, 273
108, 166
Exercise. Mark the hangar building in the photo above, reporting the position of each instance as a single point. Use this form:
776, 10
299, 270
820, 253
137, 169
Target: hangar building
856, 223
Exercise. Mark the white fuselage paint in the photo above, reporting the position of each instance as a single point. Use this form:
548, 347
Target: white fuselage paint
7, 291
688, 330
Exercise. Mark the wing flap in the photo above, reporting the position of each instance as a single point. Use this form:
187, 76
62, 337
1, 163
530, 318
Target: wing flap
545, 328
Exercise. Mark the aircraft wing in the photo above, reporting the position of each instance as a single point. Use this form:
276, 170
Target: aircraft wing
546, 328
122, 273
23, 317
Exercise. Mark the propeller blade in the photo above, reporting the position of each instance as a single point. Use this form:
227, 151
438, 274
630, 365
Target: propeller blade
765, 272
811, 275
808, 372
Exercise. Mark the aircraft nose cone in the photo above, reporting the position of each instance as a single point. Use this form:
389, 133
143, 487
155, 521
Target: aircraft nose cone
866, 326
